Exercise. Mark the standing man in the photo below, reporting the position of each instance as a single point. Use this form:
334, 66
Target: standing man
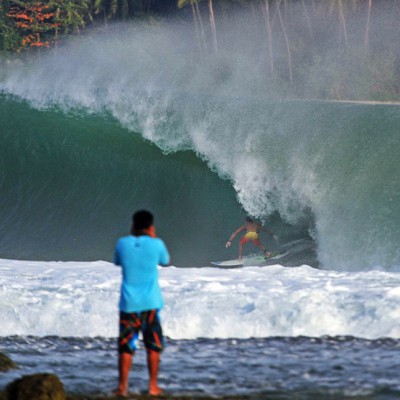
252, 235
139, 254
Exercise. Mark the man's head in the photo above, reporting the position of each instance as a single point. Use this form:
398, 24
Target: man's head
142, 223
142, 220
249, 220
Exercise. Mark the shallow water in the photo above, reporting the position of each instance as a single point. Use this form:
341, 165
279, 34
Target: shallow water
279, 367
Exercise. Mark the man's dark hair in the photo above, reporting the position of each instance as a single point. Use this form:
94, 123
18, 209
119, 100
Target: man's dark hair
142, 220
249, 219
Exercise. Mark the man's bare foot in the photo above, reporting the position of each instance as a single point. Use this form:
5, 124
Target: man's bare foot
155, 391
120, 393
267, 254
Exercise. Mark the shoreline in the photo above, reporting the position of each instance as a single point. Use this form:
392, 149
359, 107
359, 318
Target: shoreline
170, 396
138, 396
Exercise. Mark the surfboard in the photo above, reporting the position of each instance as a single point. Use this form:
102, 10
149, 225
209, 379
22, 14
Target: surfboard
277, 255
252, 260
228, 263
274, 255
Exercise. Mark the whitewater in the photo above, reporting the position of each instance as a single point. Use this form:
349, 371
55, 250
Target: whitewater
55, 298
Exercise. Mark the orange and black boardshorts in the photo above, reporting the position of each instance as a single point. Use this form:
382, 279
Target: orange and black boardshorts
147, 322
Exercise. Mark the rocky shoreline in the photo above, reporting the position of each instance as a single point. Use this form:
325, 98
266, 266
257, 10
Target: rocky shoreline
147, 397
3, 396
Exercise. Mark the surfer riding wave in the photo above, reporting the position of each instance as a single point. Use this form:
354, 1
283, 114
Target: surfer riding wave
252, 235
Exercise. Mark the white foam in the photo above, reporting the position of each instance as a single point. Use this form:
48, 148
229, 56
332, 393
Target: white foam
80, 299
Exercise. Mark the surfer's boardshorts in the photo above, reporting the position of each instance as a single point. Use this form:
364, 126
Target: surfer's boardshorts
251, 237
147, 322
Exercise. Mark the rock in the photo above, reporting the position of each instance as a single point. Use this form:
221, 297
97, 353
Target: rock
36, 387
6, 363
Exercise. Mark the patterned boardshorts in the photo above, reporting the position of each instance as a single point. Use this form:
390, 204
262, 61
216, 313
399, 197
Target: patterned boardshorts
130, 324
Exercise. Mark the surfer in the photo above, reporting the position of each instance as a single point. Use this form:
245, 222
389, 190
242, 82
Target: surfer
252, 235
140, 299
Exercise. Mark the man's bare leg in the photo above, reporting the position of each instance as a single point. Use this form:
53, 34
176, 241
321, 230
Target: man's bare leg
264, 250
240, 251
153, 361
124, 365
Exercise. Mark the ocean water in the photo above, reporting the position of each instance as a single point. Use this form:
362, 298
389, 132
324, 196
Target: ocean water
135, 118
263, 332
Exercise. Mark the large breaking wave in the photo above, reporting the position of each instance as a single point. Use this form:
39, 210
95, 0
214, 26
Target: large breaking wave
328, 170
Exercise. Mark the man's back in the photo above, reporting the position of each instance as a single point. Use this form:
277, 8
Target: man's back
139, 257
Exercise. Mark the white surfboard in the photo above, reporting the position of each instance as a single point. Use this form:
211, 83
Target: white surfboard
228, 263
256, 260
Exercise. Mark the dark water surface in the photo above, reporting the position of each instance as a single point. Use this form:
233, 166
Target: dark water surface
278, 368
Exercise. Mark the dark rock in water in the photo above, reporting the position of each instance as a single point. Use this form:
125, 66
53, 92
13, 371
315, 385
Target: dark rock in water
6, 363
36, 387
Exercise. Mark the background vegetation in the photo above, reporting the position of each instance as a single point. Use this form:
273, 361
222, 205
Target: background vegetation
350, 48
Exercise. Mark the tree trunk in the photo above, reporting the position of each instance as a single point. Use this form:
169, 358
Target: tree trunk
343, 22
200, 25
289, 54
366, 39
307, 18
268, 27
197, 28
213, 27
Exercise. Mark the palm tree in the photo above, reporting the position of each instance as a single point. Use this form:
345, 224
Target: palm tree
366, 38
194, 3
198, 22
340, 6
73, 14
288, 50
267, 20
213, 26
110, 8
306, 13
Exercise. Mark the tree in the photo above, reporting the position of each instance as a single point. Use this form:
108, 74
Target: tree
71, 16
8, 36
288, 50
341, 9
121, 8
213, 26
198, 22
366, 37
36, 20
267, 20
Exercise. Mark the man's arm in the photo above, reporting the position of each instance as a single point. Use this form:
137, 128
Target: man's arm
229, 242
117, 260
164, 255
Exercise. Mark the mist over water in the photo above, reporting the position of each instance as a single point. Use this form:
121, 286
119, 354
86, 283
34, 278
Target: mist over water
327, 169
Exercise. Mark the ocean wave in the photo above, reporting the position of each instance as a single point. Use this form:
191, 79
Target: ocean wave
325, 168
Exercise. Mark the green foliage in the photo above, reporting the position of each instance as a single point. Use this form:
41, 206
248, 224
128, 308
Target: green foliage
10, 37
73, 15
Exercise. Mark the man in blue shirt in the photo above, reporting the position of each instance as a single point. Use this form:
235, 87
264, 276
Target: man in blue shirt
139, 255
